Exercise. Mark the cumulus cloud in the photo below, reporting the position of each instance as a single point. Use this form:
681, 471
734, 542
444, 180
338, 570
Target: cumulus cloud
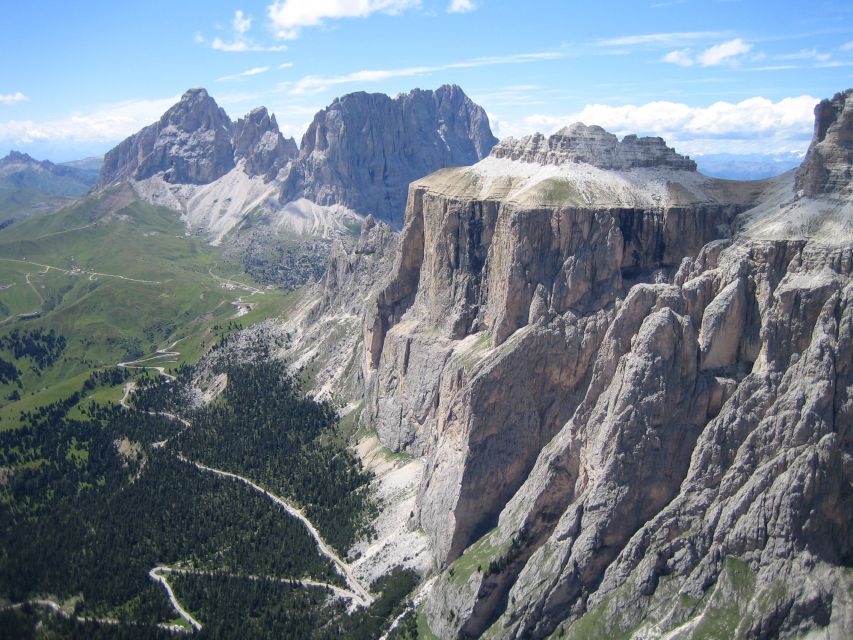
241, 23
104, 124
248, 73
461, 6
317, 84
755, 125
289, 17
13, 98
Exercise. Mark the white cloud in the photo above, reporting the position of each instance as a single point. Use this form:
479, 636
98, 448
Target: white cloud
847, 46
248, 73
806, 54
724, 53
659, 38
728, 52
104, 124
241, 23
682, 57
241, 42
317, 84
239, 46
13, 98
461, 6
289, 17
755, 125
285, 65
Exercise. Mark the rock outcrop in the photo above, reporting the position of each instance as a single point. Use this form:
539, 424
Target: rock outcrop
196, 143
364, 149
595, 146
828, 168
634, 409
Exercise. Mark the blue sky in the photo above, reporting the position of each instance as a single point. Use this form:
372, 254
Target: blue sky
710, 76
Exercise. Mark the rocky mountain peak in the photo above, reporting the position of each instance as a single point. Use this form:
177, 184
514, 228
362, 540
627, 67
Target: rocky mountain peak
364, 149
190, 144
257, 139
827, 167
195, 142
579, 143
195, 111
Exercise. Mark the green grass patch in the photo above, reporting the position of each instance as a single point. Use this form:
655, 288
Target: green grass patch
476, 558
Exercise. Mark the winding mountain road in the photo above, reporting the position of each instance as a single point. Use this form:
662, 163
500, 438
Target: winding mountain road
48, 267
359, 593
156, 575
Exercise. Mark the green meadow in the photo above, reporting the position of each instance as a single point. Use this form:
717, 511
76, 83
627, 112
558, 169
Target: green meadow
119, 279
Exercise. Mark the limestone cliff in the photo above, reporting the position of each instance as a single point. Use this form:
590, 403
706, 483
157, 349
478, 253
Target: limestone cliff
631, 390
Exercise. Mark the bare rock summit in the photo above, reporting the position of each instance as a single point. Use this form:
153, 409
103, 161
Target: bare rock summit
364, 149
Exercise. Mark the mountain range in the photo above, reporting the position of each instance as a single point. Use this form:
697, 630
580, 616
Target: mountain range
602, 394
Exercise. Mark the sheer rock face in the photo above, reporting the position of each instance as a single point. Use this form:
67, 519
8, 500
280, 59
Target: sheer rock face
828, 167
668, 468
364, 149
631, 418
526, 287
195, 143
595, 146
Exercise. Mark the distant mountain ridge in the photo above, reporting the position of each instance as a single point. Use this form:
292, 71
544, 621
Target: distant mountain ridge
731, 166
28, 185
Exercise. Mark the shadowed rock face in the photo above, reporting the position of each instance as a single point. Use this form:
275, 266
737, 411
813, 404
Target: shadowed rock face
631, 420
828, 167
364, 149
195, 142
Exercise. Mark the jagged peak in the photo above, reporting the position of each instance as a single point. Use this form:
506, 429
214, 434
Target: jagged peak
594, 145
257, 113
196, 93
18, 156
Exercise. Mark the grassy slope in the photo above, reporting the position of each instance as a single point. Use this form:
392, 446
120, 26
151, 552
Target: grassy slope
107, 319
